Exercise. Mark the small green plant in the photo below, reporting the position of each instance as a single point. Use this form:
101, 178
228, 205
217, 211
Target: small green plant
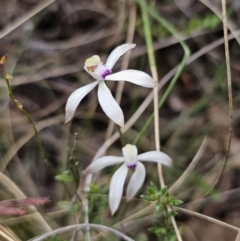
163, 212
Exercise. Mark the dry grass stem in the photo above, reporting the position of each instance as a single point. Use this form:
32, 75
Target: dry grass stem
238, 236
82, 226
18, 22
190, 167
7, 183
230, 25
213, 220
230, 98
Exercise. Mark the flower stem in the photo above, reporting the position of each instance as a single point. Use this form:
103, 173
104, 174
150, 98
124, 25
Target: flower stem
73, 164
121, 136
7, 78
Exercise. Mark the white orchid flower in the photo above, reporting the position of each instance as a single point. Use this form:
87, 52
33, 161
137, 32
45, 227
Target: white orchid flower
131, 160
102, 72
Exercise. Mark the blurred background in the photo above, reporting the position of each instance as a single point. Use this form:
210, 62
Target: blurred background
46, 55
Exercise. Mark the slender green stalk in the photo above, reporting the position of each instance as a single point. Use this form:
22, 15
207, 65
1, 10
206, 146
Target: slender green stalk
7, 78
147, 33
73, 164
152, 62
181, 66
153, 67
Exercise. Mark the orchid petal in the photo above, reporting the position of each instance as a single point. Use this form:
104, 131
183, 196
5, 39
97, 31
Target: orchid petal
155, 156
102, 163
110, 105
116, 188
75, 98
136, 180
134, 76
117, 53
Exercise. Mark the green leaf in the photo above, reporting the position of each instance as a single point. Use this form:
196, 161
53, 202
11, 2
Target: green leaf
159, 207
176, 202
147, 198
64, 177
163, 191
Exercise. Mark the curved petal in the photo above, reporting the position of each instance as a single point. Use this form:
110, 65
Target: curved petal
117, 53
116, 187
136, 180
134, 76
75, 98
155, 156
110, 105
102, 163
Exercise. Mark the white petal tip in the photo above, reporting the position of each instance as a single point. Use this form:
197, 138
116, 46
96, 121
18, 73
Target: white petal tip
121, 124
85, 172
168, 163
113, 212
113, 208
151, 83
67, 119
120, 121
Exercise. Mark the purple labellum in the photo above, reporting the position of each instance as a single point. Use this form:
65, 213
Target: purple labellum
106, 73
132, 165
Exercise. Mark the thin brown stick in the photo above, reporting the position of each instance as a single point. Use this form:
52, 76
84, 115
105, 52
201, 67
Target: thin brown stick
230, 101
